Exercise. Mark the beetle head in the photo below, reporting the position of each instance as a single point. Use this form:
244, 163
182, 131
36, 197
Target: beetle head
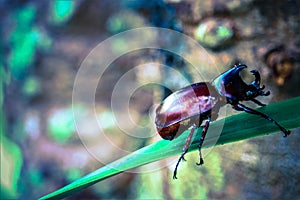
254, 88
230, 85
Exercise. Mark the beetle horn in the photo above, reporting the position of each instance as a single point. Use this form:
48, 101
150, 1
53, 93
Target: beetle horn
256, 82
239, 67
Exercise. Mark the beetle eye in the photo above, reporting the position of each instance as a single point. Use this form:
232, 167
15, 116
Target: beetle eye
249, 93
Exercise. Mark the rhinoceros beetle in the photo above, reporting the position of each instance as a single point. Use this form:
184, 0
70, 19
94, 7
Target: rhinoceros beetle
188, 107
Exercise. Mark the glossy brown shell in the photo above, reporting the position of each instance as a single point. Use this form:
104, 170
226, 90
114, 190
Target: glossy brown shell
183, 107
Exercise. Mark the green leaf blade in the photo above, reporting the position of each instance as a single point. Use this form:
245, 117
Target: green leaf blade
236, 128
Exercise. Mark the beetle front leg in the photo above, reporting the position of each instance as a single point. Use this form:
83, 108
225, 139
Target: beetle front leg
185, 149
204, 131
241, 107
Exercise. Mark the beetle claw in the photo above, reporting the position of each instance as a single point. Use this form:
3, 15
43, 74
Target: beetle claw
286, 133
175, 173
201, 162
174, 176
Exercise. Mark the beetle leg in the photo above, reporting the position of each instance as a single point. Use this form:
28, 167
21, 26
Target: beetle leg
177, 164
185, 149
258, 102
242, 107
204, 131
188, 140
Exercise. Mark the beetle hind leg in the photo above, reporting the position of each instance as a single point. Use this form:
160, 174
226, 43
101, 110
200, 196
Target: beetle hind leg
204, 131
185, 149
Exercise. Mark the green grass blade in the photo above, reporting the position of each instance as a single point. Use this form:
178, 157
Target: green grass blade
237, 127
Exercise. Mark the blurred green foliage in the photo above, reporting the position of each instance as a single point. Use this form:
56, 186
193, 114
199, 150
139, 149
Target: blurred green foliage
25, 37
11, 156
61, 11
24, 40
32, 86
124, 20
61, 125
11, 163
73, 174
4, 80
214, 34
107, 120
